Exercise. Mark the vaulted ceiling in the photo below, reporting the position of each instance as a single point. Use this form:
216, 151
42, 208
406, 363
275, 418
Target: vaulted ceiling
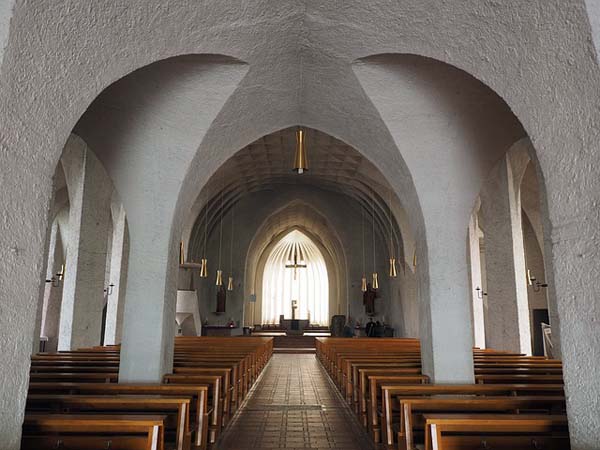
266, 164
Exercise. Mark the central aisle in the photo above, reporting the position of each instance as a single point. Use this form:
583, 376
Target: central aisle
294, 406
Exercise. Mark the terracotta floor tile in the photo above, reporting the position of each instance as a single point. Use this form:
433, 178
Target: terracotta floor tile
294, 406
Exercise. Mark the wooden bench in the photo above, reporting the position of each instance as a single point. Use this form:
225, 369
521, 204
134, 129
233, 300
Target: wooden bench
176, 410
92, 432
375, 399
215, 397
412, 410
74, 377
391, 391
197, 393
463, 431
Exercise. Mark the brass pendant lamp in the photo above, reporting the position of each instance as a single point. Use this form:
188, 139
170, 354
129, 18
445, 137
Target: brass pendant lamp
219, 281
393, 272
363, 283
300, 159
375, 283
204, 261
181, 254
230, 281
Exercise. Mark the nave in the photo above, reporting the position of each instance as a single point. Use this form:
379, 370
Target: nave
227, 394
294, 405
368, 169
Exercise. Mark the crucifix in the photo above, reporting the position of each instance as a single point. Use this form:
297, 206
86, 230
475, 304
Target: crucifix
293, 262
294, 308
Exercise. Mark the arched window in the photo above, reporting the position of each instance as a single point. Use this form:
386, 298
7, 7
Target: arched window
307, 282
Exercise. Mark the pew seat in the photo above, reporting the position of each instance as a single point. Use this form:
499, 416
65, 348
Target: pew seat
493, 431
412, 411
176, 410
92, 432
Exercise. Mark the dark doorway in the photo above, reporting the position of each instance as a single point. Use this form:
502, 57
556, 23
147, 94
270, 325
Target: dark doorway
103, 323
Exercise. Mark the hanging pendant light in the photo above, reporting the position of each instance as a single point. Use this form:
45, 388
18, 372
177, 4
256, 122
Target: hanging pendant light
204, 261
181, 254
300, 159
393, 272
230, 282
375, 283
219, 271
363, 283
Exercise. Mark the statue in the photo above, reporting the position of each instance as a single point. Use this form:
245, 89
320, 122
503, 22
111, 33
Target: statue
221, 299
369, 297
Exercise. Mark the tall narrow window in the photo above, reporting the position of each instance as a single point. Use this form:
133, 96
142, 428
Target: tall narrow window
303, 279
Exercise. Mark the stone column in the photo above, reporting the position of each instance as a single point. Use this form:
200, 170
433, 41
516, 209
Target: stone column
476, 283
509, 326
53, 294
118, 277
81, 312
446, 333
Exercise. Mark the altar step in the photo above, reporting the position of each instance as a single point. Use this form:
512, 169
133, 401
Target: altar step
295, 351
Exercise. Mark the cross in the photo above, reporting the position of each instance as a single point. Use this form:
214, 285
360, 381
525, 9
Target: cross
295, 264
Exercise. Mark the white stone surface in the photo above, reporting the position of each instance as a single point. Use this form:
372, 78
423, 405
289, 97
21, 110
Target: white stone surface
508, 324
538, 56
477, 292
187, 305
118, 277
49, 326
89, 216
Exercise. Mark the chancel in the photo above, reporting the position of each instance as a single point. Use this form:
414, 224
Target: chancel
233, 225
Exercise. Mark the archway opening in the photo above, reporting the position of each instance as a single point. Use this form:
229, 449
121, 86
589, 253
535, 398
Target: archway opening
295, 281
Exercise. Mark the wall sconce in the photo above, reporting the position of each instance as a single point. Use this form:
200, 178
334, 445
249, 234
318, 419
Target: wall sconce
534, 283
56, 280
480, 292
109, 289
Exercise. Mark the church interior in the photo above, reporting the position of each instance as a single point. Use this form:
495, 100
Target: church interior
300, 225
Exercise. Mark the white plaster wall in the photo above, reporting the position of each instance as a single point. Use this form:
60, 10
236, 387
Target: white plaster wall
508, 325
89, 222
537, 55
153, 121
53, 294
118, 277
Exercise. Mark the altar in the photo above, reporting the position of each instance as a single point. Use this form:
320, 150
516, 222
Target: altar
294, 326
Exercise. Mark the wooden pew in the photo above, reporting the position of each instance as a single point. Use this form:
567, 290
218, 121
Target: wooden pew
412, 410
391, 391
197, 393
463, 431
92, 432
176, 410
215, 398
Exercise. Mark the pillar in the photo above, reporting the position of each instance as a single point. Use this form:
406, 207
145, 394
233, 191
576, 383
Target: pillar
445, 310
118, 277
149, 312
83, 296
53, 294
476, 283
508, 327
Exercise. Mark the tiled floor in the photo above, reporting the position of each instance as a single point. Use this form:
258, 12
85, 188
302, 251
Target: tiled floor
294, 406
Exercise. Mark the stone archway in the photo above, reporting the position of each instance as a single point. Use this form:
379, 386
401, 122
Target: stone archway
314, 225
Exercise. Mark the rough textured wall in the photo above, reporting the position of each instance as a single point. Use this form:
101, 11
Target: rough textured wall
537, 55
